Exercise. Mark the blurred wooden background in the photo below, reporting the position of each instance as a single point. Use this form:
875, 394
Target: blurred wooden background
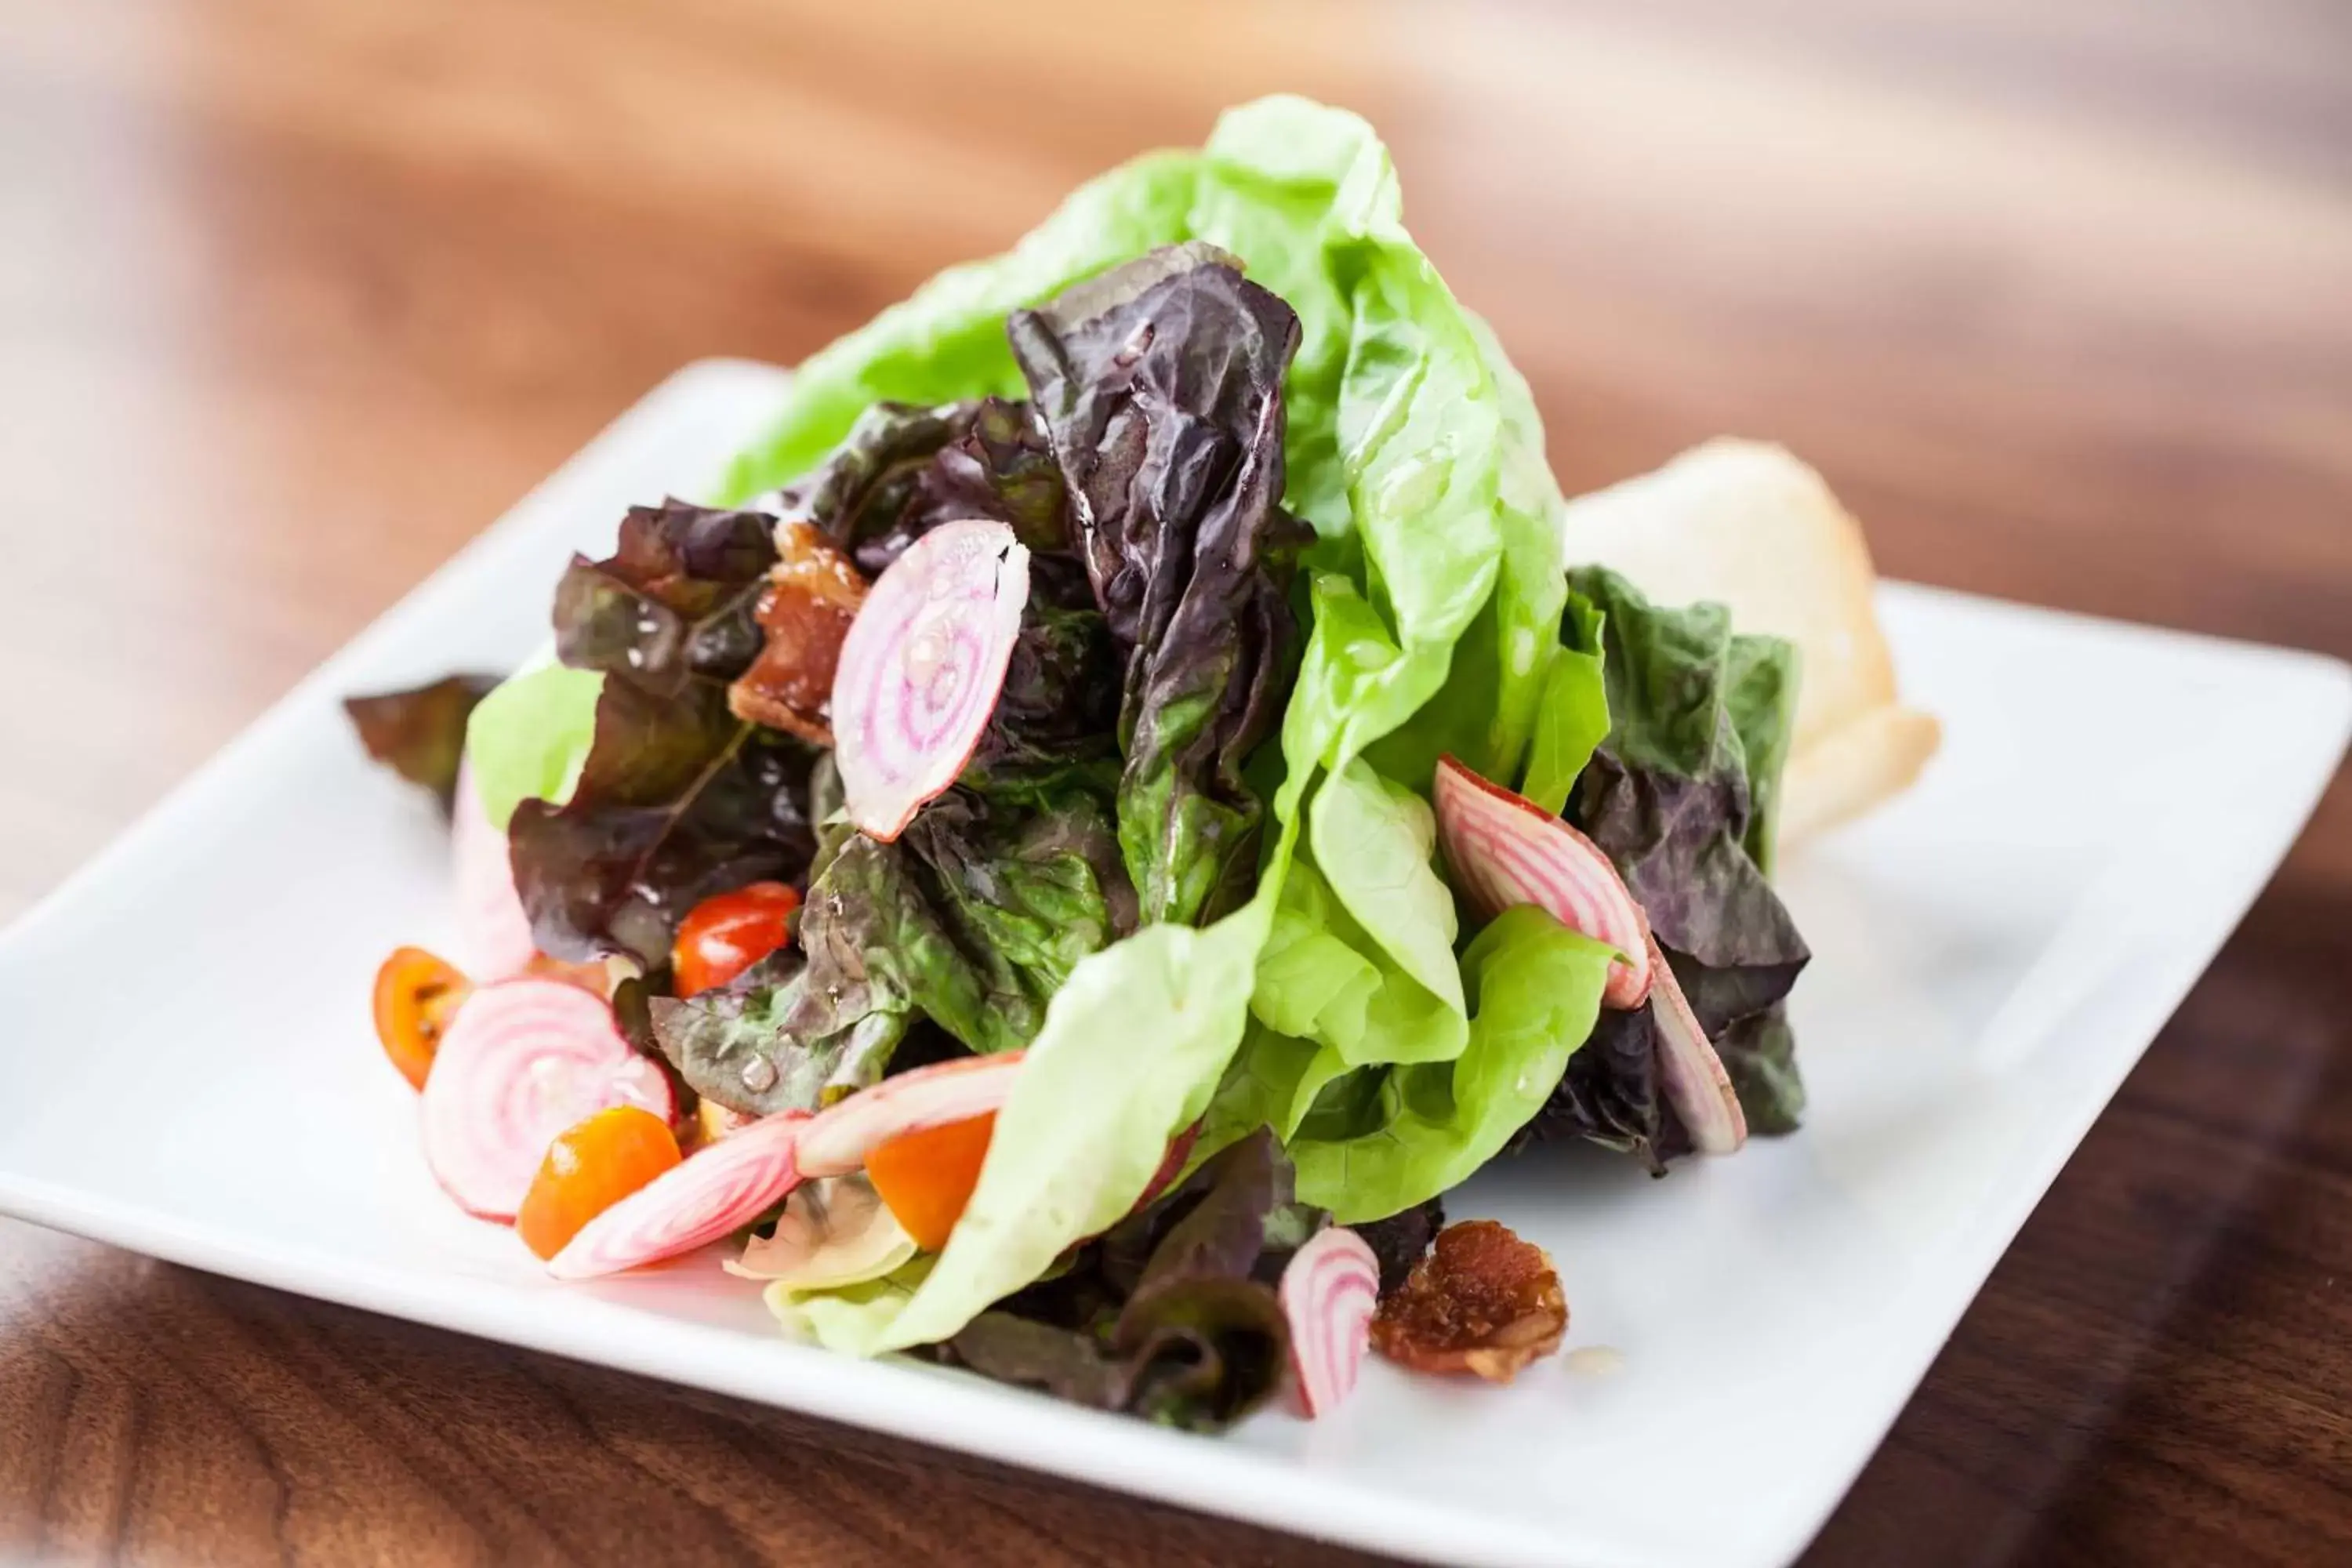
294, 298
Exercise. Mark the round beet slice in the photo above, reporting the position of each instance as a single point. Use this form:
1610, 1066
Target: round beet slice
921, 668
523, 1061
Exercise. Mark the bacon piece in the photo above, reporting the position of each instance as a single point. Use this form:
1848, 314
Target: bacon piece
812, 597
1483, 1301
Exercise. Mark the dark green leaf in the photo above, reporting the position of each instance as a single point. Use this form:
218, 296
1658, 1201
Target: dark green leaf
1052, 729
1611, 1093
1760, 689
1033, 889
807, 1025
972, 920
999, 466
1759, 1052
1699, 724
858, 494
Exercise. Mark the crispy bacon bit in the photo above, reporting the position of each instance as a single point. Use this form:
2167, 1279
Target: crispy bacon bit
812, 597
1483, 1301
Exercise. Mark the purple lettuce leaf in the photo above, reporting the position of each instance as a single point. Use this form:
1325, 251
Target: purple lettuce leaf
674, 603
1172, 1315
1160, 384
420, 732
677, 800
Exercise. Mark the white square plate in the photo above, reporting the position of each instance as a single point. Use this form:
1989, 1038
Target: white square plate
1993, 953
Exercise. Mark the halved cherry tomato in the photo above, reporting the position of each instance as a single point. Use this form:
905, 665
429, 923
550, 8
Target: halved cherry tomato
590, 1168
415, 997
729, 932
927, 1177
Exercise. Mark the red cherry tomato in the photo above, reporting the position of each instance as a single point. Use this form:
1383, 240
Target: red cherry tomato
728, 933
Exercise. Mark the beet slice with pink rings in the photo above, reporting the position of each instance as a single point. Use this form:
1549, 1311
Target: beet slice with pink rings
715, 1193
1505, 849
1327, 1294
921, 668
523, 1061
843, 1135
1695, 1082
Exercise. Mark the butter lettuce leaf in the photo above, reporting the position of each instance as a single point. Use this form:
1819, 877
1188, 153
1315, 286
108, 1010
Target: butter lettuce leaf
1409, 1134
1572, 717
529, 737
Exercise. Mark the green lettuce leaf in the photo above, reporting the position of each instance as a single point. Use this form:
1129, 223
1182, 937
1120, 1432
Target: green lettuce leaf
1131, 1049
528, 738
1500, 682
1374, 840
1312, 983
1534, 987
846, 1313
1572, 719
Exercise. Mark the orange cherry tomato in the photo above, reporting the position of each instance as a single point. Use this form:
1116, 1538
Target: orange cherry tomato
729, 932
415, 997
927, 1177
588, 1169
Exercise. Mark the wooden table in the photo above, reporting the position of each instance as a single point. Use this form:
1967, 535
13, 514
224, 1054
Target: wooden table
294, 298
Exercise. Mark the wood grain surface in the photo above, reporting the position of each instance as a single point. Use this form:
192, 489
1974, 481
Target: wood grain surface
295, 298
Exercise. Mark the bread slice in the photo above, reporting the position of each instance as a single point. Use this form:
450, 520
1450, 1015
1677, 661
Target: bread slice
1747, 525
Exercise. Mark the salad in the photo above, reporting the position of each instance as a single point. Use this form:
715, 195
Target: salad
1120, 806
